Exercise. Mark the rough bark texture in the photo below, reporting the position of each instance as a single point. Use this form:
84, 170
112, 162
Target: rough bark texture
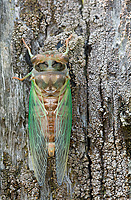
100, 149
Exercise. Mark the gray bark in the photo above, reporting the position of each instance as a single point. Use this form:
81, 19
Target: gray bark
99, 63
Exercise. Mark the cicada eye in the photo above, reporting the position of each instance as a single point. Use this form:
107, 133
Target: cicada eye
41, 67
58, 66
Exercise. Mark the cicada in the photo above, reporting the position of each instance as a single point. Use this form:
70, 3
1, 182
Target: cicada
50, 111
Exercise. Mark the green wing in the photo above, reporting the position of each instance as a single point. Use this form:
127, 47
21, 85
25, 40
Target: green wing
63, 132
37, 134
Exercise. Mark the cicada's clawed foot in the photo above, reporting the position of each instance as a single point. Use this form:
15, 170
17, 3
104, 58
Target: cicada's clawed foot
20, 79
67, 40
25, 44
29, 50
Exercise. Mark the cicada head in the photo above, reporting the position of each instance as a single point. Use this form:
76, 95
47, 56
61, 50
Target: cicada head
49, 61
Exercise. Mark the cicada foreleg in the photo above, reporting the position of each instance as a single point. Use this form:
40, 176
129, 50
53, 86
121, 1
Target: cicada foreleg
21, 79
67, 42
29, 51
31, 55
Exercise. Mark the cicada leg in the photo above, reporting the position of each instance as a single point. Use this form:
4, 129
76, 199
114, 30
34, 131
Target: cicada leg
29, 51
67, 42
21, 79
31, 55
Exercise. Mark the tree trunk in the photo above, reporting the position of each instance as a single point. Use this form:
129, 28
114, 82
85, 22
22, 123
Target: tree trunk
99, 65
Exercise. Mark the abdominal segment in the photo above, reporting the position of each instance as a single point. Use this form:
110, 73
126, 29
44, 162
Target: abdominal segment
50, 104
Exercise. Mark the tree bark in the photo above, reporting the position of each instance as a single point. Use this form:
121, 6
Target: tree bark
99, 65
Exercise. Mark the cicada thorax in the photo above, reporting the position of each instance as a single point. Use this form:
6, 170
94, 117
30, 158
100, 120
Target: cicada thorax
49, 85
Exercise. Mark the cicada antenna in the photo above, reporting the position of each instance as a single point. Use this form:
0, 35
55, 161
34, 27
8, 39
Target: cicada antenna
28, 48
67, 42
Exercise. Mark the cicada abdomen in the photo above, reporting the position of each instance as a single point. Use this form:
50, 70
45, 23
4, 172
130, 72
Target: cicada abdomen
50, 111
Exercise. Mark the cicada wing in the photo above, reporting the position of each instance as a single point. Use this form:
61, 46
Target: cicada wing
63, 132
38, 126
